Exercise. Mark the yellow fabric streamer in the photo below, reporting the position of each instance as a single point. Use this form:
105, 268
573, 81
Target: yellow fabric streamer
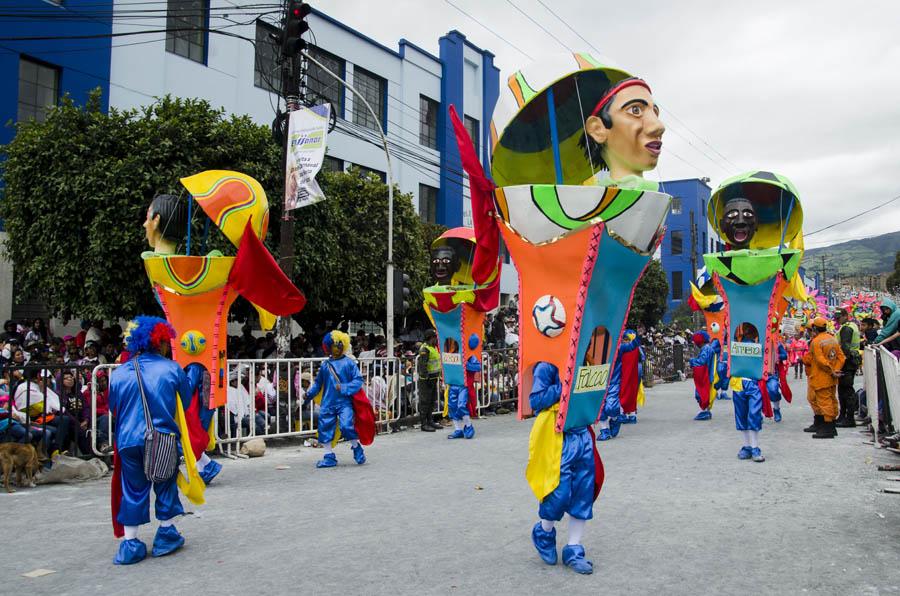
191, 486
544, 454
640, 395
736, 384
266, 319
446, 411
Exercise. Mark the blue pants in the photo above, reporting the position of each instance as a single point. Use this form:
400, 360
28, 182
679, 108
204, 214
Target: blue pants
611, 405
458, 401
575, 493
340, 412
135, 507
748, 407
773, 386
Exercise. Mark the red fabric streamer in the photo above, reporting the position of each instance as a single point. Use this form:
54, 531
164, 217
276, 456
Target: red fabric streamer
116, 494
599, 473
628, 389
198, 435
782, 378
702, 385
257, 277
364, 417
767, 401
472, 404
487, 233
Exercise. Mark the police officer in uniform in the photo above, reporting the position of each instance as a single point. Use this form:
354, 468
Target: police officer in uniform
428, 368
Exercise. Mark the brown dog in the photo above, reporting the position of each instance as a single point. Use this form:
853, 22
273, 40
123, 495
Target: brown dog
20, 458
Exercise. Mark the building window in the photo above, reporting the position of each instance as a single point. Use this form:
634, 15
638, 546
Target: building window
372, 87
472, 127
332, 164
428, 196
704, 240
266, 67
38, 89
428, 118
186, 21
677, 290
676, 205
364, 172
320, 85
677, 237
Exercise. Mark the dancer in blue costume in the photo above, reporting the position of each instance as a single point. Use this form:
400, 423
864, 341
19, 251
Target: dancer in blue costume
460, 398
611, 415
576, 492
773, 384
164, 382
705, 370
339, 380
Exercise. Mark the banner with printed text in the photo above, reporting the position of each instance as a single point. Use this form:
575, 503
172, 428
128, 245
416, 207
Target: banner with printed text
307, 139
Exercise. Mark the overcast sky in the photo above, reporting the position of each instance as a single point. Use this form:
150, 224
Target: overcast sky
806, 88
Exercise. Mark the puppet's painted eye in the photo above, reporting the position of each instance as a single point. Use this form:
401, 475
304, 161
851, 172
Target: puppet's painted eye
714, 327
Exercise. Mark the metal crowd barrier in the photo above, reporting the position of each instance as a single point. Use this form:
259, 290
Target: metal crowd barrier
35, 381
881, 374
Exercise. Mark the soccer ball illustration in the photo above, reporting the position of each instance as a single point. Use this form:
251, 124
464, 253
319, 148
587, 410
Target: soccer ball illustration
549, 315
193, 342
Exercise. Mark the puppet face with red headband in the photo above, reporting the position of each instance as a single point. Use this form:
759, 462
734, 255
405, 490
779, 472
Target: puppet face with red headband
624, 131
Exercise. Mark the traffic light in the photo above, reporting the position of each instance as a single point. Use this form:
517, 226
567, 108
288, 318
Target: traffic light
401, 292
295, 26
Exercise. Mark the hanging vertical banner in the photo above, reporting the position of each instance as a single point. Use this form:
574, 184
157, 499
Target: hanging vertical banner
307, 134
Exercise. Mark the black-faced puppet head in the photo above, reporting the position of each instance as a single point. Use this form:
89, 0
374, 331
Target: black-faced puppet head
738, 222
444, 263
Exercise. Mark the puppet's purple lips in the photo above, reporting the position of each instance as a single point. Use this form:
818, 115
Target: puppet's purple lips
654, 147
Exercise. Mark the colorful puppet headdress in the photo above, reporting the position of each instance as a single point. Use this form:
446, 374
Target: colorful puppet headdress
336, 338
147, 334
777, 203
522, 131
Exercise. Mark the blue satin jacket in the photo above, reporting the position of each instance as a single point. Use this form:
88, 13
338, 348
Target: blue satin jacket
163, 380
350, 379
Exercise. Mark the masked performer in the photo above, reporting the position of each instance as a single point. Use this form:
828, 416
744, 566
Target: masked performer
149, 384
343, 403
580, 243
777, 384
705, 368
621, 399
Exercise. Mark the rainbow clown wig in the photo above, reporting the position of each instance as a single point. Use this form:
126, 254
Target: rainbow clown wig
147, 334
337, 339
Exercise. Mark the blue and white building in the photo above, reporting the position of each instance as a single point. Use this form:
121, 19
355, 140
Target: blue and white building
410, 88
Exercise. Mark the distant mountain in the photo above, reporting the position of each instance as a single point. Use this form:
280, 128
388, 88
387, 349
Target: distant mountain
865, 256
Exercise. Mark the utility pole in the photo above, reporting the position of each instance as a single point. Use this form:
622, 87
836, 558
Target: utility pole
693, 246
293, 89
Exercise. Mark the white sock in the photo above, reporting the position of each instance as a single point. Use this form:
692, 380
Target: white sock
457, 425
328, 448
754, 438
201, 463
604, 424
576, 529
631, 413
131, 532
546, 525
467, 421
354, 443
746, 434
165, 523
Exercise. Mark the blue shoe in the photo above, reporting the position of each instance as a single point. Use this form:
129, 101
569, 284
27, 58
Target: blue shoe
745, 453
604, 435
545, 543
457, 434
211, 470
358, 454
723, 395
778, 415
630, 419
469, 431
704, 415
757, 455
130, 552
167, 541
614, 426
328, 461
573, 557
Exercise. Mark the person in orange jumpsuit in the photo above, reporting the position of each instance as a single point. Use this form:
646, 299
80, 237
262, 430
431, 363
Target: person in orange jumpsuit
823, 368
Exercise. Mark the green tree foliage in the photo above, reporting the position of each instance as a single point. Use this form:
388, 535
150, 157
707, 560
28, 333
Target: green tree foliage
649, 303
893, 280
77, 187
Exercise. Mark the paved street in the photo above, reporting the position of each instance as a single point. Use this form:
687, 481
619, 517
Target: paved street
679, 514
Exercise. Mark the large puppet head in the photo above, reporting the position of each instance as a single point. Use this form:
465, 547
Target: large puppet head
166, 222
623, 132
738, 222
444, 263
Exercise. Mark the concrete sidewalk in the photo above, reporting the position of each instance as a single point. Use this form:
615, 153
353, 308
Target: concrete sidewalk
679, 514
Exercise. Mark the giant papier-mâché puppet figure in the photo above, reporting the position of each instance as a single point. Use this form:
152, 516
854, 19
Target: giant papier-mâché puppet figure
457, 305
196, 292
758, 215
580, 243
